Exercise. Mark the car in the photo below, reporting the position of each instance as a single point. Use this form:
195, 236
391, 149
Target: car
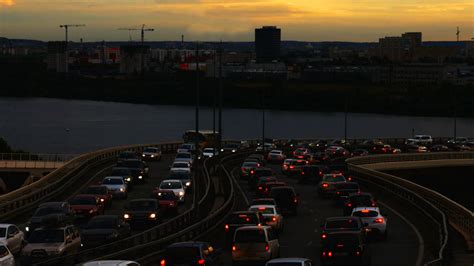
58, 212
271, 215
231, 148
184, 176
151, 154
261, 183
191, 253
263, 201
185, 157
101, 192
242, 218
276, 156
138, 168
355, 200
180, 166
345, 248
439, 148
290, 167
125, 173
265, 188
337, 151
286, 198
420, 139
339, 168
6, 256
290, 262
51, 242
210, 152
187, 148
86, 206
266, 147
255, 243
126, 155
255, 174
416, 148
359, 152
176, 186
247, 167
310, 173
458, 140
338, 142
259, 157
343, 190
116, 185
103, 229
300, 153
167, 199
327, 186
337, 224
142, 212
111, 263
12, 237
376, 222
319, 157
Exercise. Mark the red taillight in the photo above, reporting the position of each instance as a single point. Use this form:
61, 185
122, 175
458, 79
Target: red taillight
325, 185
329, 254
201, 262
320, 173
340, 245
295, 200
324, 236
226, 227
274, 219
357, 253
252, 172
324, 253
267, 248
292, 167
302, 173
243, 170
349, 178
378, 220
260, 188
163, 262
234, 248
373, 204
337, 192
349, 204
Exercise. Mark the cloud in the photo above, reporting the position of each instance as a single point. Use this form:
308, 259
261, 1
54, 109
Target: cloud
7, 2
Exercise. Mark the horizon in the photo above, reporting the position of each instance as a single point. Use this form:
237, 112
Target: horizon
235, 20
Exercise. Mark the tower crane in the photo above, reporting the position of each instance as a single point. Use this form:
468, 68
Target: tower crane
142, 29
66, 27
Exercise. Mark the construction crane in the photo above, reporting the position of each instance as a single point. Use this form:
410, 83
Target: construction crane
66, 27
457, 34
142, 29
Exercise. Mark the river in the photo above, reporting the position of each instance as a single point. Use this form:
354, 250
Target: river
74, 126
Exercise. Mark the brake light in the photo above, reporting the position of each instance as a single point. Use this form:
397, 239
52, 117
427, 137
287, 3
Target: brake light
163, 262
320, 172
267, 248
349, 204
243, 169
325, 185
274, 219
252, 172
349, 178
337, 192
261, 208
379, 220
330, 254
260, 188
373, 204
324, 236
365, 211
340, 245
234, 248
226, 227
295, 200
357, 253
302, 173
201, 262
324, 253
292, 167
258, 165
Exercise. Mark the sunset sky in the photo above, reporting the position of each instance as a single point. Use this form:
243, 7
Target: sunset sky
235, 20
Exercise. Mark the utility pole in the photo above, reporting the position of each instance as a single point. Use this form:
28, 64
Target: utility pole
457, 34
346, 107
214, 104
197, 98
220, 96
263, 120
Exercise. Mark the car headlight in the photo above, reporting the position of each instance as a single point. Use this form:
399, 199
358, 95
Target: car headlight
152, 215
140, 177
122, 189
222, 149
181, 193
91, 211
233, 150
126, 216
152, 156
128, 179
188, 184
102, 200
143, 155
27, 229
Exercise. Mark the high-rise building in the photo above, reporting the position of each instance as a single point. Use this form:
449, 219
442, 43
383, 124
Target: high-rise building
134, 59
267, 44
400, 48
57, 57
414, 37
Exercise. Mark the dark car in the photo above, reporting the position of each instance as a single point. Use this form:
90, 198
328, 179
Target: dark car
345, 248
183, 176
267, 187
104, 229
242, 218
255, 174
311, 173
358, 200
142, 212
263, 201
124, 172
231, 148
337, 224
286, 198
138, 168
359, 152
126, 155
102, 192
167, 199
340, 168
51, 212
86, 206
261, 183
439, 148
259, 157
190, 254
344, 189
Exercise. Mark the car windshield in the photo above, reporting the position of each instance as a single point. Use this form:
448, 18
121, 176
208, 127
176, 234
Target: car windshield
342, 223
263, 173
166, 196
186, 147
96, 190
361, 200
180, 165
120, 172
243, 219
284, 264
142, 205
82, 201
151, 150
366, 213
334, 178
102, 223
182, 254
348, 186
345, 239
281, 192
46, 211
113, 181
250, 236
263, 202
264, 210
183, 156
275, 152
171, 185
179, 175
250, 164
3, 232
47, 236
130, 164
208, 150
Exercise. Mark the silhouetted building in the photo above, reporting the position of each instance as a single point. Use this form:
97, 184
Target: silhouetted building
414, 37
134, 59
57, 57
267, 44
400, 48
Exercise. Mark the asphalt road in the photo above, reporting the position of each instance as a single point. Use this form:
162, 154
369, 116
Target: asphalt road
301, 235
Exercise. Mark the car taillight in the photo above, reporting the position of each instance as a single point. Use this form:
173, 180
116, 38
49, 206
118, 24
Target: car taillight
226, 227
260, 188
274, 219
201, 262
320, 173
292, 167
340, 245
378, 220
295, 200
252, 172
337, 192
357, 253
329, 253
302, 173
234, 248
267, 248
373, 204
325, 185
163, 262
349, 178
349, 204
323, 254
324, 236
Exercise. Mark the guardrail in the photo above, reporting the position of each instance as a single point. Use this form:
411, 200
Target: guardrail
40, 157
28, 197
432, 203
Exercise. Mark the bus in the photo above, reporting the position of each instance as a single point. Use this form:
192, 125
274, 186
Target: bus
206, 138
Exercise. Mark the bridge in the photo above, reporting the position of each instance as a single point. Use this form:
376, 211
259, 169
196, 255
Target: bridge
423, 223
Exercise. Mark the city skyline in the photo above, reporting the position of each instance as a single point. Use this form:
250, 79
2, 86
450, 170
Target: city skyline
235, 20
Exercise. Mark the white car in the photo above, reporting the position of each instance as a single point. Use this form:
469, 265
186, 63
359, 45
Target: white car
6, 257
376, 222
290, 261
209, 152
276, 155
12, 236
420, 139
176, 186
271, 215
186, 147
255, 243
117, 185
184, 157
111, 263
180, 166
151, 153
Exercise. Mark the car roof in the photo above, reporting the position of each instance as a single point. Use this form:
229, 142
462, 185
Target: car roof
262, 206
171, 181
150, 199
360, 194
290, 260
244, 212
113, 177
342, 218
5, 225
108, 263
344, 233
253, 227
366, 208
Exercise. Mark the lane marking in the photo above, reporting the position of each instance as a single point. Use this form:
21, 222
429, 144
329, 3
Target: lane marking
421, 243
